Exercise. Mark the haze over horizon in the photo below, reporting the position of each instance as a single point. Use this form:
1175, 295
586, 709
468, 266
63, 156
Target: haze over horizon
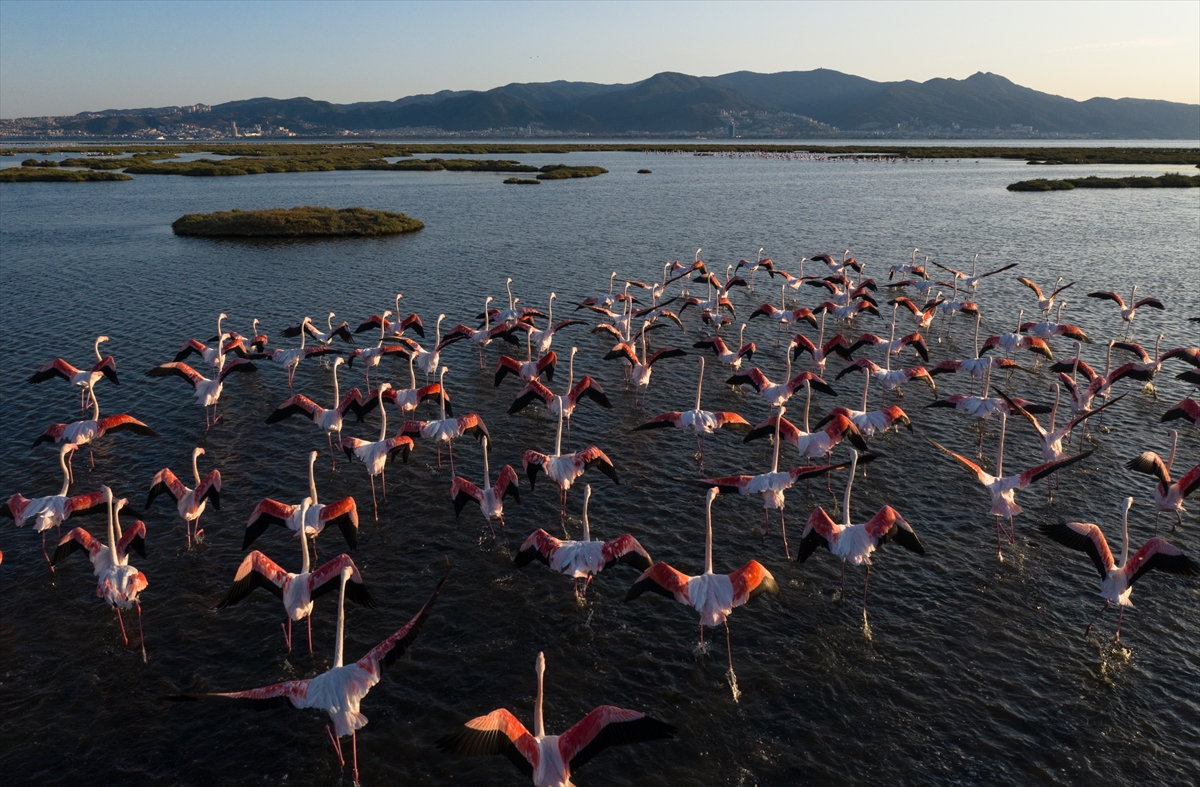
62, 58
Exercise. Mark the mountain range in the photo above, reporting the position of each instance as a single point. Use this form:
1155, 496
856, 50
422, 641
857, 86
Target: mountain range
821, 102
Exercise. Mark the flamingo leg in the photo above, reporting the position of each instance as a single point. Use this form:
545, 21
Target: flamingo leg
374, 501
287, 633
122, 624
729, 653
999, 554
1093, 620
44, 552
1157, 514
332, 459
783, 528
354, 750
141, 634
337, 745
568, 434
310, 648
866, 583
1120, 614
843, 595
439, 450
1178, 521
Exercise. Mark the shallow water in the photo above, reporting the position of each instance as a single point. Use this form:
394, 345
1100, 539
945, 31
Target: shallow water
971, 670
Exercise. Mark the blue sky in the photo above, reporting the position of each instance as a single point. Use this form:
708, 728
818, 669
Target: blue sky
67, 57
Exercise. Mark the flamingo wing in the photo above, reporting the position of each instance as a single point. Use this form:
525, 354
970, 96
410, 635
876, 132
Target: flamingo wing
983, 477
729, 420
728, 485
1133, 348
462, 492
532, 462
372, 322
108, 368
1190, 481
328, 577
593, 457
534, 390
276, 695
1153, 303
547, 363
504, 367
191, 347
1187, 409
385, 653
589, 388
499, 732
400, 445
210, 489
268, 512
165, 481
179, 370
540, 546
82, 505
75, 540
1159, 554
256, 570
1085, 537
819, 531
888, 525
473, 425
751, 581
1151, 463
123, 423
507, 484
660, 578
56, 368
662, 421
1041, 471
626, 549
714, 343
753, 377
1105, 296
788, 431
352, 402
812, 471
1038, 290
343, 515
1189, 355
813, 380
623, 351
133, 538
295, 405
604, 727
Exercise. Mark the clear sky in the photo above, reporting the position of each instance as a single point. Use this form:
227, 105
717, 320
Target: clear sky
60, 58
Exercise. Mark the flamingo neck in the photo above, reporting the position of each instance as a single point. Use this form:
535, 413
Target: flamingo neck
303, 334
1125, 533
1174, 445
96, 349
539, 728
95, 403
866, 387
412, 375
336, 392
62, 462
1157, 342
550, 312
112, 536
487, 473
587, 528
195, 467
442, 394
1054, 409
978, 320
1000, 448
383, 417
742, 336
558, 439
849, 485
571, 370
821, 333
508, 286
312, 482
337, 648
807, 403
700, 384
775, 457
708, 567
1108, 360
438, 331
305, 567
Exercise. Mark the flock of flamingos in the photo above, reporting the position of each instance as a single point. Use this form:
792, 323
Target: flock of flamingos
632, 314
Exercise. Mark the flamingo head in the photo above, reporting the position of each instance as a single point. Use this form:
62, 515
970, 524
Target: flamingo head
108, 498
573, 351
222, 316
312, 458
100, 339
197, 451
120, 503
338, 362
387, 313
540, 665
385, 387
712, 495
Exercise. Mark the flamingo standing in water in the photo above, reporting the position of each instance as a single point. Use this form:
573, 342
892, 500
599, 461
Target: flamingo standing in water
1128, 311
642, 367
712, 595
543, 338
1046, 330
119, 583
482, 337
105, 366
1116, 580
585, 388
328, 420
342, 331
490, 498
971, 283
809, 445
429, 360
1002, 488
731, 358
214, 356
819, 352
375, 455
99, 554
772, 485
551, 760
298, 591
1045, 302
189, 502
446, 429
529, 370
1168, 496
373, 355
207, 391
698, 422
342, 514
777, 394
1051, 439
79, 433
52, 510
856, 542
562, 468
869, 421
290, 359
582, 559
339, 690
396, 328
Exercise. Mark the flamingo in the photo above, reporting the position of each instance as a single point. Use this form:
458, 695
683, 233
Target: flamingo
1128, 312
856, 542
846, 312
257, 342
543, 338
290, 359
971, 283
1168, 496
776, 394
190, 503
562, 468
530, 369
104, 367
79, 433
819, 352
923, 316
119, 583
207, 391
446, 429
732, 359
1011, 342
712, 595
1046, 330
585, 388
753, 267
782, 316
1051, 439
1002, 488
52, 510
772, 485
551, 760
892, 346
699, 422
342, 331
408, 399
342, 514
979, 366
490, 498
428, 360
328, 421
214, 356
396, 328
1116, 580
1187, 409
101, 557
869, 421
912, 267
642, 367
582, 559
375, 455
809, 445
1045, 303
481, 338
298, 591
339, 690
890, 379
373, 355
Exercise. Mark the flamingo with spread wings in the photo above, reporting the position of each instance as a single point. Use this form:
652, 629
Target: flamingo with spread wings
329, 420
52, 510
489, 498
105, 367
562, 468
1168, 495
446, 429
207, 391
190, 503
342, 514
375, 455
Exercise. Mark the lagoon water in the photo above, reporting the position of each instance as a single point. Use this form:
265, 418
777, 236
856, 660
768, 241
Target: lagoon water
971, 670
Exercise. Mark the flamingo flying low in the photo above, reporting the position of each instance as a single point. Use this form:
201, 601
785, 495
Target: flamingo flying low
490, 498
329, 420
551, 760
339, 690
104, 367
1116, 580
78, 433
189, 502
582, 559
562, 468
712, 595
52, 510
586, 388
445, 429
342, 514
207, 391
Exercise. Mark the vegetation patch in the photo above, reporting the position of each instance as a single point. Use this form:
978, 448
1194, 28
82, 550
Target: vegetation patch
522, 182
643, 172
298, 222
564, 172
1171, 180
55, 175
32, 162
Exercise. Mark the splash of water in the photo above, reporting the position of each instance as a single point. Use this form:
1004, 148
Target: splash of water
733, 684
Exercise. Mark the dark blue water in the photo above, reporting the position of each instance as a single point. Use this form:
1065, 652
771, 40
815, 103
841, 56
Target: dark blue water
971, 670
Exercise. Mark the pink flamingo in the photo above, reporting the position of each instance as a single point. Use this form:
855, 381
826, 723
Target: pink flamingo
189, 502
490, 498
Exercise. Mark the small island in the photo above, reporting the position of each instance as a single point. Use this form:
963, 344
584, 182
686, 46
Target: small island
643, 172
298, 222
41, 174
1169, 180
564, 172
522, 182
